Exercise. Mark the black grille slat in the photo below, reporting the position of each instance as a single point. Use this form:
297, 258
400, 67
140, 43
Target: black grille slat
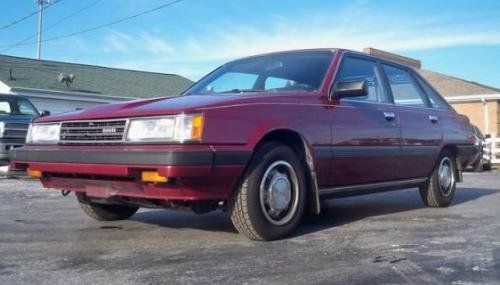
16, 126
15, 130
92, 132
15, 133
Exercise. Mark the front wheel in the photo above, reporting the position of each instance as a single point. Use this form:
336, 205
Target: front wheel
270, 201
105, 212
439, 190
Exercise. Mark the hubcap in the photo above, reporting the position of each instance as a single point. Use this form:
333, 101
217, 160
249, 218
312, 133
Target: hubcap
279, 193
446, 178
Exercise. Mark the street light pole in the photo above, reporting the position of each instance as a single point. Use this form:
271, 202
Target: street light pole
40, 20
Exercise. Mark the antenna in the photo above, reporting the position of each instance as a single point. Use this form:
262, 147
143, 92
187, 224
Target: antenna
40, 17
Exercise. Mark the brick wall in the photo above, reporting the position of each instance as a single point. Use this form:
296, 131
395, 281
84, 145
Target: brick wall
475, 112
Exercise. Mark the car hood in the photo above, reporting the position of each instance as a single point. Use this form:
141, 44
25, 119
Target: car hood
23, 119
160, 106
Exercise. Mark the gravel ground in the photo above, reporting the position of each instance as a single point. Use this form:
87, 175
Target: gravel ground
388, 238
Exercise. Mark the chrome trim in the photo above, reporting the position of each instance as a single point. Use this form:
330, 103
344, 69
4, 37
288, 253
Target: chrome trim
390, 116
368, 186
433, 118
94, 142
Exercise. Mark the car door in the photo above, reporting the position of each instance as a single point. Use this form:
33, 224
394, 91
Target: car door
365, 129
421, 133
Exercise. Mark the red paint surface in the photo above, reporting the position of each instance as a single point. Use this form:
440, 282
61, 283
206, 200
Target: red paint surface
240, 121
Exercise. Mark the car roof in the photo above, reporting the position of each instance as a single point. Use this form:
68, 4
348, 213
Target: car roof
330, 50
285, 52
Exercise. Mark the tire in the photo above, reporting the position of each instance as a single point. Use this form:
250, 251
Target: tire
478, 166
105, 212
438, 192
487, 166
270, 200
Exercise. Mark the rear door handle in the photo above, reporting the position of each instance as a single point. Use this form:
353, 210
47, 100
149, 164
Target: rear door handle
433, 119
389, 116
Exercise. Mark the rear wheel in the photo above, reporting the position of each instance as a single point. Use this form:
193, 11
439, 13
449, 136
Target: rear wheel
478, 166
270, 202
105, 212
487, 166
439, 190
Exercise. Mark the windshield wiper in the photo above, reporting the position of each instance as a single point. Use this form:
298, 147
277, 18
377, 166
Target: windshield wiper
242, 91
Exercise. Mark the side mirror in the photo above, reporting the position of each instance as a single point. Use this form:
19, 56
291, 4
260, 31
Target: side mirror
343, 89
487, 136
45, 113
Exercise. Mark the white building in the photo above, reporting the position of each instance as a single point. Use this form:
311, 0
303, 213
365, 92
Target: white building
61, 87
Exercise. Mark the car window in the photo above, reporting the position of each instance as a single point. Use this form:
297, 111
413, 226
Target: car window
230, 81
26, 108
436, 100
5, 107
403, 88
298, 71
354, 69
278, 83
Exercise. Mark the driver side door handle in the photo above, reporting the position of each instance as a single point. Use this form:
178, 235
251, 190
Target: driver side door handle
390, 116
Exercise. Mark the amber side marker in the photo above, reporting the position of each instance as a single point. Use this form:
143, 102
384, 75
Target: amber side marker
34, 173
197, 128
153, 176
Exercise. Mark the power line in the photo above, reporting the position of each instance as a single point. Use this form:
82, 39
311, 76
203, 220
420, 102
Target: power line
27, 16
53, 25
99, 26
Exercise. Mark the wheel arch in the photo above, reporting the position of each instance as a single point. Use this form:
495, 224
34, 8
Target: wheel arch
454, 150
300, 145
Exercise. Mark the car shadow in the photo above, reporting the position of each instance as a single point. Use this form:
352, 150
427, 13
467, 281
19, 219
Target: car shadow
338, 212
335, 212
213, 221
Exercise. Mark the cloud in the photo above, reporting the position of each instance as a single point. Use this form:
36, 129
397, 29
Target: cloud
116, 41
156, 44
361, 24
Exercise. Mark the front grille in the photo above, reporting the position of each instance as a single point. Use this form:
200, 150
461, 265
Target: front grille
15, 130
93, 132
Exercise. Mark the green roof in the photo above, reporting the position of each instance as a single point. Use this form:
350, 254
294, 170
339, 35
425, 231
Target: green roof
43, 74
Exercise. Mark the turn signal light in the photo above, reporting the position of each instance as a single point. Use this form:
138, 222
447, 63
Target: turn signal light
197, 127
153, 177
34, 173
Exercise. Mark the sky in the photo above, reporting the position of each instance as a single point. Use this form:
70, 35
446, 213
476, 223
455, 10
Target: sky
192, 37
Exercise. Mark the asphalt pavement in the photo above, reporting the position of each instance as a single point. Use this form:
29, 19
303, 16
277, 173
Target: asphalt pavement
387, 238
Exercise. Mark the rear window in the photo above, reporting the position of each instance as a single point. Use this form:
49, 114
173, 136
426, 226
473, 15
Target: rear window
403, 87
436, 100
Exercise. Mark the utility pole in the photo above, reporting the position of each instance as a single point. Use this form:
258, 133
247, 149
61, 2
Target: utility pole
40, 18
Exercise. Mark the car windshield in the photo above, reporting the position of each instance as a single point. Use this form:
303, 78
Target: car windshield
304, 70
17, 106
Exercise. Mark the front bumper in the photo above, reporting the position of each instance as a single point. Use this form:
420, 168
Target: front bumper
195, 172
6, 147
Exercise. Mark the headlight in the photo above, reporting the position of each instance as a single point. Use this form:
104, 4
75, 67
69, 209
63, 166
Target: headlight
178, 128
2, 129
43, 133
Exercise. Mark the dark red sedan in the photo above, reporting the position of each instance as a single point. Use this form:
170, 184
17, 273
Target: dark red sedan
265, 138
